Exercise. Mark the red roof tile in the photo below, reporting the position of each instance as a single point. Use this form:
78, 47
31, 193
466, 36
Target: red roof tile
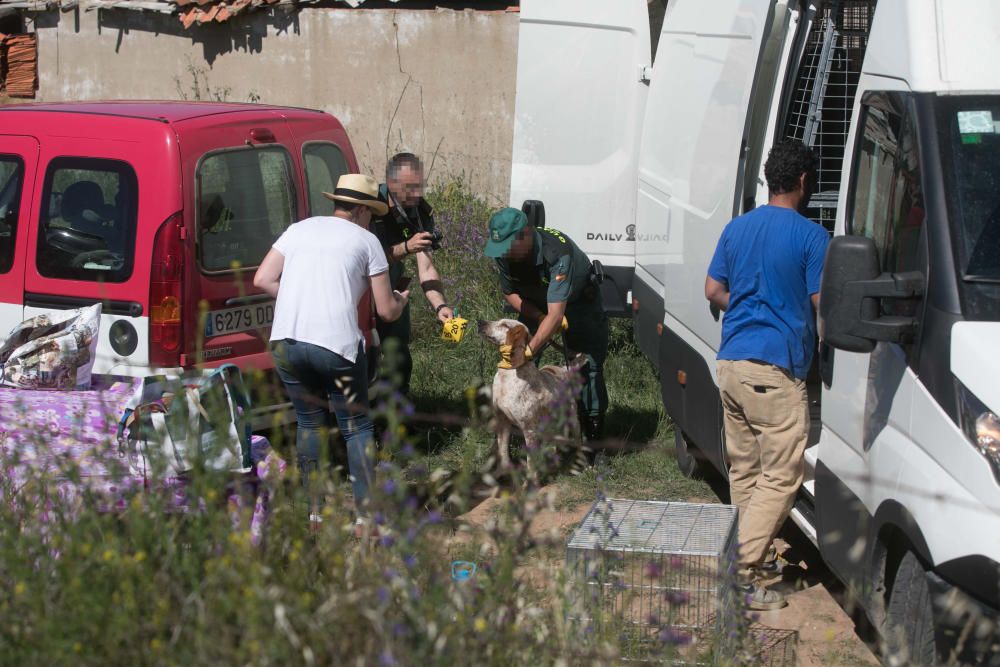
18, 65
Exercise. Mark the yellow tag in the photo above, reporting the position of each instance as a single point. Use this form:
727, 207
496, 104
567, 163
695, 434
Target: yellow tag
454, 329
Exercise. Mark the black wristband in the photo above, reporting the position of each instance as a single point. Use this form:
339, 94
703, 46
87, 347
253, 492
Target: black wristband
438, 309
406, 248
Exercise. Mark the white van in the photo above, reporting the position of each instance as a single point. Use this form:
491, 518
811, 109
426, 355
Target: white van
643, 163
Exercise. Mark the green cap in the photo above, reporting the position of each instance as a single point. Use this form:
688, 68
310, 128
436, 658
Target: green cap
504, 224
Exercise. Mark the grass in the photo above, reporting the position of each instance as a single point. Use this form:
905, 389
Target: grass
445, 374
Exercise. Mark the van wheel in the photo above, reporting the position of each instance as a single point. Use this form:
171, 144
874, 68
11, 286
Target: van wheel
909, 623
687, 462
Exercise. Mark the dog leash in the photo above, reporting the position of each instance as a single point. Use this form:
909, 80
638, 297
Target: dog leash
564, 348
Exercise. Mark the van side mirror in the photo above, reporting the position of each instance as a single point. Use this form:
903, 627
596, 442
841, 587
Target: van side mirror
534, 209
852, 289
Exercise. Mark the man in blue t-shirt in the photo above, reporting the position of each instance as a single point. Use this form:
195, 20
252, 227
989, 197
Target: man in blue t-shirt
765, 275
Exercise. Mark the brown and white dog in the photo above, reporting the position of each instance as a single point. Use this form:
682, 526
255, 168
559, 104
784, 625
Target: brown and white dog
524, 393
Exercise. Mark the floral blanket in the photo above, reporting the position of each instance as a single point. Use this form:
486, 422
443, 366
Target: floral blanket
70, 440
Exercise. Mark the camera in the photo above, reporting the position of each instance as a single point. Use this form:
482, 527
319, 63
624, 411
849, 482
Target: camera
424, 211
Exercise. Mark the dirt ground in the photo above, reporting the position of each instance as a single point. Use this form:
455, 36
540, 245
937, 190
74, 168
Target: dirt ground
826, 633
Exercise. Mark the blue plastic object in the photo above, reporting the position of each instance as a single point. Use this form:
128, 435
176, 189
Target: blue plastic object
462, 570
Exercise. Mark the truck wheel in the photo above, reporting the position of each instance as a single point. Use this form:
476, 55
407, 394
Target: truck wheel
909, 623
687, 462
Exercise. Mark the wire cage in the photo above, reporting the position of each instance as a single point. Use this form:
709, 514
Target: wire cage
819, 112
770, 647
657, 578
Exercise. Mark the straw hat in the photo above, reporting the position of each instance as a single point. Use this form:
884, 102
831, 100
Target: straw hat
359, 189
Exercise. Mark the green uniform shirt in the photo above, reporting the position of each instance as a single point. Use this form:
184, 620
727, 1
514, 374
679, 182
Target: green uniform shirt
559, 273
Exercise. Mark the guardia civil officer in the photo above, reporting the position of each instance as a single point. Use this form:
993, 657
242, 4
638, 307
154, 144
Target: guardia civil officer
545, 277
407, 228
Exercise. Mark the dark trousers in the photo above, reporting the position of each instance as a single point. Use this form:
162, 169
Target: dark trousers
588, 333
325, 386
399, 333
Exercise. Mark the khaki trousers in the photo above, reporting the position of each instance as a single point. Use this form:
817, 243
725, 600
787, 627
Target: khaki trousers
766, 417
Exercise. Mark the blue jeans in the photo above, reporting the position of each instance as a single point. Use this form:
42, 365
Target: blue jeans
311, 374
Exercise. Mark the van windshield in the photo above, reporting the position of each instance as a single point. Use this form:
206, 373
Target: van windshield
969, 131
973, 131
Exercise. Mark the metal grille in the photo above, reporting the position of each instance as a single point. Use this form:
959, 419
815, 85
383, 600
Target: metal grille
656, 578
819, 113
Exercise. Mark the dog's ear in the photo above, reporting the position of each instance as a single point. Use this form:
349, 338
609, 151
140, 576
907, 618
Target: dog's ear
517, 336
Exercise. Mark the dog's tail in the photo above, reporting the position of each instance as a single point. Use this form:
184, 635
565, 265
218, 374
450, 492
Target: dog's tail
578, 362
573, 365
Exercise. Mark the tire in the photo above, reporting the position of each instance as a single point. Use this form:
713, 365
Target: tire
687, 462
909, 624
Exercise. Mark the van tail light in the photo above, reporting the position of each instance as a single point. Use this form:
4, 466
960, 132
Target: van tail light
165, 294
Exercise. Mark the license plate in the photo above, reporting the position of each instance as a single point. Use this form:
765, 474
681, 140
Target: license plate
240, 318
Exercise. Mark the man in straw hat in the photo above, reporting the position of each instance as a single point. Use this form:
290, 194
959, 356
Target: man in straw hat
318, 270
407, 228
548, 280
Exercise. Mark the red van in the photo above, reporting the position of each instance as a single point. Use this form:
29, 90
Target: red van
161, 211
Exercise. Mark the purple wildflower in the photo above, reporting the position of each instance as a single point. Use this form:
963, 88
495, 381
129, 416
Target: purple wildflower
675, 637
678, 597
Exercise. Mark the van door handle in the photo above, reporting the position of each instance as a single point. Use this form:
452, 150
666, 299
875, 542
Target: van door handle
58, 302
248, 300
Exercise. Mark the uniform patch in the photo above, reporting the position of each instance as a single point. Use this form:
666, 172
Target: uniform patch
561, 277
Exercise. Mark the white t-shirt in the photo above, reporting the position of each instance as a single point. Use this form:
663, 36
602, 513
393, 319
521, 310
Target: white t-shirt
328, 262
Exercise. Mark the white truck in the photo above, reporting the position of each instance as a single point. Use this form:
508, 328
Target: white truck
643, 163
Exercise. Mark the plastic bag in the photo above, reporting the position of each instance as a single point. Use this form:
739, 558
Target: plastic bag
52, 350
172, 425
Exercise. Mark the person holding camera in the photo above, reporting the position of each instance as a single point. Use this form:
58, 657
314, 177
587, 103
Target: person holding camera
552, 284
407, 228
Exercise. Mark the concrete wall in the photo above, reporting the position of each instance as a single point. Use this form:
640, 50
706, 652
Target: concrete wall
438, 82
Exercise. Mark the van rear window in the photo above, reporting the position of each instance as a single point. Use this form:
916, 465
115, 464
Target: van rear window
246, 198
87, 231
11, 180
325, 164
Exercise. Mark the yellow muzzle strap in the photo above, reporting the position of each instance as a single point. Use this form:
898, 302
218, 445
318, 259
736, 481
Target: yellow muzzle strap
505, 352
505, 357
